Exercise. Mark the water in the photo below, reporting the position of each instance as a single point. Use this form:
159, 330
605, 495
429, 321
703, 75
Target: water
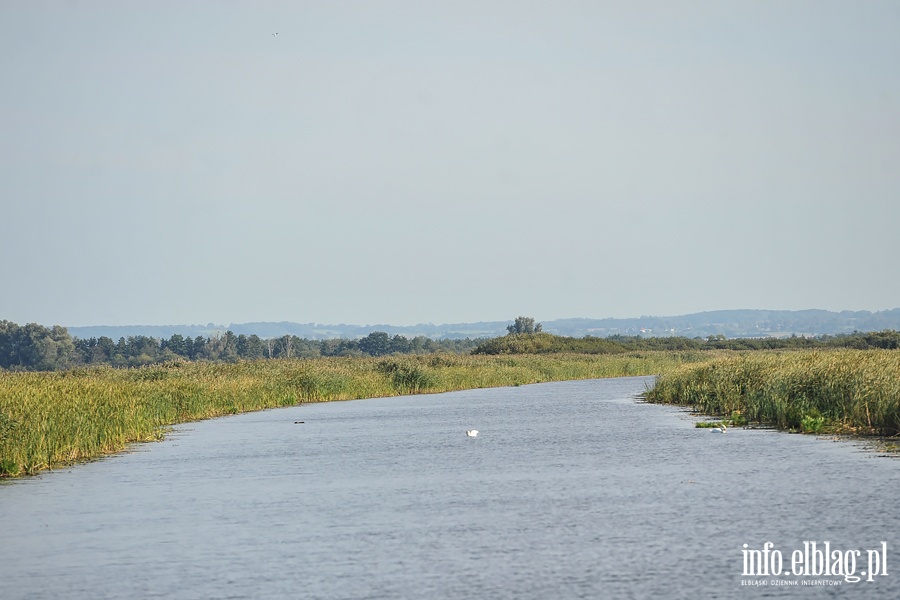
571, 490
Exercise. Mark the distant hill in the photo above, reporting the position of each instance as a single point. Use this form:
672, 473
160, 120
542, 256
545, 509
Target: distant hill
730, 323
734, 323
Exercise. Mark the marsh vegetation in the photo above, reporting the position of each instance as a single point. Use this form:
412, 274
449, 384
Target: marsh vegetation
56, 417
49, 419
813, 391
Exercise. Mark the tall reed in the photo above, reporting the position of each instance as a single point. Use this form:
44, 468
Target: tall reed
52, 419
816, 390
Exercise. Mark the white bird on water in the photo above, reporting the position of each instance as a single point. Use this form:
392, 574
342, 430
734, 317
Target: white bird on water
720, 429
472, 433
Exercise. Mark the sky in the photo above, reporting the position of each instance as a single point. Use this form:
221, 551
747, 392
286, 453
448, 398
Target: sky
405, 162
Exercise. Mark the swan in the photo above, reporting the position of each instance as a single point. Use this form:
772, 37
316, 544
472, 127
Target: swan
472, 433
720, 429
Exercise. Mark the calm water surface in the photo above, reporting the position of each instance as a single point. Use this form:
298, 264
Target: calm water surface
571, 490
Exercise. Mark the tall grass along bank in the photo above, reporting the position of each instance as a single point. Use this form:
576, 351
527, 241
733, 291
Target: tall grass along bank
52, 419
843, 391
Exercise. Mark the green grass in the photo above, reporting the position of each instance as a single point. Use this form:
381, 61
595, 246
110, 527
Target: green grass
53, 419
710, 424
815, 391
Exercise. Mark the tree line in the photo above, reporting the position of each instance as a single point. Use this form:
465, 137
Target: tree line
546, 343
33, 347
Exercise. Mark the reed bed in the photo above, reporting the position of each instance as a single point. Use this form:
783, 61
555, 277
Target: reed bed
52, 419
816, 391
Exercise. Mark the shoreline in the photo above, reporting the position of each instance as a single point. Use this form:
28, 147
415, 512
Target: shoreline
56, 419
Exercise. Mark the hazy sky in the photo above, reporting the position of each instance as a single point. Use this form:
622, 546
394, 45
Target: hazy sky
406, 162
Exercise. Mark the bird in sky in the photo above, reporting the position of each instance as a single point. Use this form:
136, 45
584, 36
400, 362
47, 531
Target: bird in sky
275, 35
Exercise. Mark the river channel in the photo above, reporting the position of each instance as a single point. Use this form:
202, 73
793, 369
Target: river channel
570, 490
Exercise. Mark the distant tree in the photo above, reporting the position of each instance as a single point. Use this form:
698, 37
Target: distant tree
457, 346
377, 343
107, 348
400, 344
887, 339
142, 350
286, 346
93, 350
198, 352
34, 347
340, 348
177, 344
524, 325
250, 347
420, 345
329, 347
304, 348
229, 350
9, 339
221, 347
